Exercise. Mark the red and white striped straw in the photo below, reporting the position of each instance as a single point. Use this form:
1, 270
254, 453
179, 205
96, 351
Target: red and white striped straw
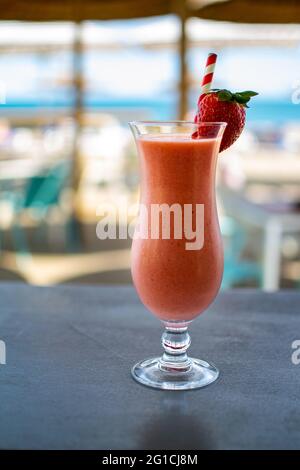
209, 73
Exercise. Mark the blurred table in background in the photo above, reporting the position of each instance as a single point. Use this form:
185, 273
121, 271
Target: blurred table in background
67, 383
275, 220
270, 168
22, 168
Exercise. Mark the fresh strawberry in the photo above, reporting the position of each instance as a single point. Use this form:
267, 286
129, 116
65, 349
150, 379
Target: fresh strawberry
224, 106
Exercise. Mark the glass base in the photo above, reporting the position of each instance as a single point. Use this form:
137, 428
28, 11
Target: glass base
199, 374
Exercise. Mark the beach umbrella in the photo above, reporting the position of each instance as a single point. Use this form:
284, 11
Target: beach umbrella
243, 11
82, 10
247, 11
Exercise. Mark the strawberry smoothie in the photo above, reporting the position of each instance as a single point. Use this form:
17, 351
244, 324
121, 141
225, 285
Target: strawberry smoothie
173, 282
177, 262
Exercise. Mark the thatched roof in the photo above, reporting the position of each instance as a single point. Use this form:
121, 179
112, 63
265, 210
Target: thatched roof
80, 10
253, 11
244, 11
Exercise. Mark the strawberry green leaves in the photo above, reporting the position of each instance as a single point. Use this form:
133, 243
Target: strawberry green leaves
225, 95
240, 97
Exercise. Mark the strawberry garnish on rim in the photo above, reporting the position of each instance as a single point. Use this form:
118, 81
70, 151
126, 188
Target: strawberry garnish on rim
224, 106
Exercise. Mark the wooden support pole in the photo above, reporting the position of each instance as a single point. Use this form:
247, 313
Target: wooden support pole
75, 228
78, 84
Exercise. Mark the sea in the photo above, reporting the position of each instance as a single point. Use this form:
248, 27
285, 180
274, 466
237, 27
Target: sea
262, 112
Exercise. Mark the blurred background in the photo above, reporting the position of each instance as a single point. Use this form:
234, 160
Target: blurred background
73, 73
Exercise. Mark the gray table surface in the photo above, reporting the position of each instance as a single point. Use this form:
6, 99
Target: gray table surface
67, 383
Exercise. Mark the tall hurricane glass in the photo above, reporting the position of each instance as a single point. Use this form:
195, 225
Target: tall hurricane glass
177, 255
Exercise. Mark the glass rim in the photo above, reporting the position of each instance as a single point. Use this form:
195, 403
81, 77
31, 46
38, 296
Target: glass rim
178, 122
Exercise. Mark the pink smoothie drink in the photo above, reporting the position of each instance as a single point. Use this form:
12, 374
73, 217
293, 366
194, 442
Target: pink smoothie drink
173, 282
178, 273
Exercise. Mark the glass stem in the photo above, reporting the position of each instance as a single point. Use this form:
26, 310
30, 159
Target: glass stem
175, 341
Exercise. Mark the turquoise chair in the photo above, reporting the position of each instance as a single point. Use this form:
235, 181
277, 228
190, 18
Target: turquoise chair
236, 269
42, 192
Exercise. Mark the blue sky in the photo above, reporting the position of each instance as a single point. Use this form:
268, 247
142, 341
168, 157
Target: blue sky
139, 72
